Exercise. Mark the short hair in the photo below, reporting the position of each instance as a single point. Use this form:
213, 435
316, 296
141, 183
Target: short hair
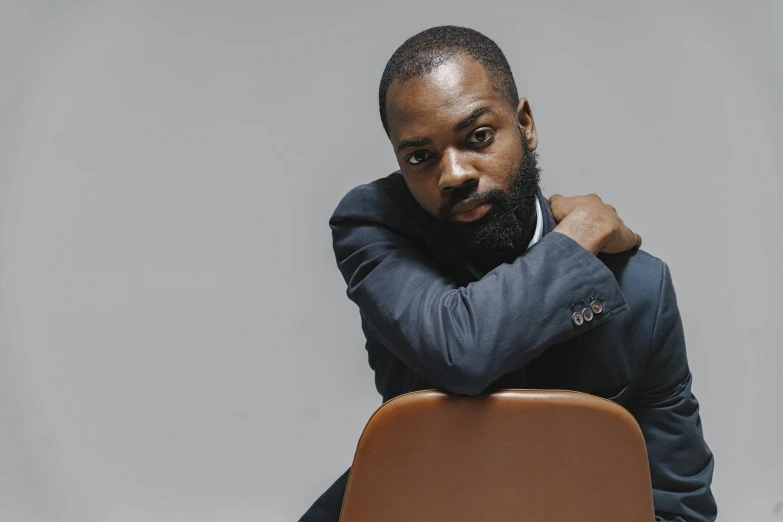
422, 53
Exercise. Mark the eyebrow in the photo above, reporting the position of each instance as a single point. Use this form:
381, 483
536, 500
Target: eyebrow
413, 142
476, 114
467, 122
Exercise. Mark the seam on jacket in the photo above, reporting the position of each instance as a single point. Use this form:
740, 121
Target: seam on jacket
657, 312
634, 400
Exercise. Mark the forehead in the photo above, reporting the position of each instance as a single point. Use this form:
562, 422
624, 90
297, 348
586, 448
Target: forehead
443, 96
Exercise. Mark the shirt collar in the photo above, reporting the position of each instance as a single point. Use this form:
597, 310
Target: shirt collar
539, 233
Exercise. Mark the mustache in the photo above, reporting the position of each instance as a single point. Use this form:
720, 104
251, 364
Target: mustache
470, 194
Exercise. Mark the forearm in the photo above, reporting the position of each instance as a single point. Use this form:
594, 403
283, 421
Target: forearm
464, 338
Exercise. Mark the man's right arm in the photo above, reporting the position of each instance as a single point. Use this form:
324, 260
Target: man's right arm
462, 338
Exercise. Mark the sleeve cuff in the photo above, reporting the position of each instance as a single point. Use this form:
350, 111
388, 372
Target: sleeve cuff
599, 297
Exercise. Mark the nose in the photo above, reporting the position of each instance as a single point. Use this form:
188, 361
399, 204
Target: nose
455, 172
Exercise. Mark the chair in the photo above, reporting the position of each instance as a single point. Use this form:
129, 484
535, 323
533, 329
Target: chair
513, 455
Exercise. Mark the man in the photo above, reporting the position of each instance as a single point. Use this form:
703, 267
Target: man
467, 279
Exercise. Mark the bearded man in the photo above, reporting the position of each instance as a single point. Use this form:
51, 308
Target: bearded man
468, 279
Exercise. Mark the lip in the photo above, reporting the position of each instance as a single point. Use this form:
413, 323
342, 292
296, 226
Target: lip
466, 212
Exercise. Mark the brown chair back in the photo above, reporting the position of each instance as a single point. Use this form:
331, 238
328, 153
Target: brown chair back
513, 455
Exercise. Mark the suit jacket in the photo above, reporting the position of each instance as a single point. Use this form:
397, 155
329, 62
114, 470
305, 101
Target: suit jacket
433, 320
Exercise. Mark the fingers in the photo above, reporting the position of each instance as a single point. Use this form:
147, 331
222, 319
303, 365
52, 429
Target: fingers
625, 240
634, 239
629, 234
593, 207
631, 240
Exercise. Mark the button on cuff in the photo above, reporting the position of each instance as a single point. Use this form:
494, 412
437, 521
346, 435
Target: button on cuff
587, 314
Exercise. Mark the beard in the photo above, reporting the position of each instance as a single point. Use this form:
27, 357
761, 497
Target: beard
499, 233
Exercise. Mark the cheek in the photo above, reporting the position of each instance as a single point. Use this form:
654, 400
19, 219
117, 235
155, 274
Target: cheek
507, 161
427, 195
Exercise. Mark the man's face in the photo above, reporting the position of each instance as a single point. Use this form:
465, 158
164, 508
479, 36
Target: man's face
466, 155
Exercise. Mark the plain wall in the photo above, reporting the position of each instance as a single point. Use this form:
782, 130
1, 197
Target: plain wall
176, 340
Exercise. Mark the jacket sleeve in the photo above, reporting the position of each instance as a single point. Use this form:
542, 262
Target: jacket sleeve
462, 338
681, 463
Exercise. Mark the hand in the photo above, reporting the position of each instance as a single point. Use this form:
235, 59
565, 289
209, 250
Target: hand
593, 224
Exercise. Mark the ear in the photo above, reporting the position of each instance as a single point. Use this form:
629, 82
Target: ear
526, 123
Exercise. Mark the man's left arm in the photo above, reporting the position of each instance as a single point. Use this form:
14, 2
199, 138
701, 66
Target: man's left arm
681, 463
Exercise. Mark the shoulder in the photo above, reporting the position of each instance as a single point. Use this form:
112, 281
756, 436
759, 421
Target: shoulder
642, 277
654, 322
636, 270
381, 200
380, 215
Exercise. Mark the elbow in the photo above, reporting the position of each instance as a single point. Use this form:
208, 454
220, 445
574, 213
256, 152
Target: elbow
465, 356
469, 378
467, 390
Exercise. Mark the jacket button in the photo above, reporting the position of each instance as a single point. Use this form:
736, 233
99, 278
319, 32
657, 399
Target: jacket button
587, 314
597, 306
578, 319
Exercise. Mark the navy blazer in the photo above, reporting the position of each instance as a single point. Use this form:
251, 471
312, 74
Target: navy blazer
432, 320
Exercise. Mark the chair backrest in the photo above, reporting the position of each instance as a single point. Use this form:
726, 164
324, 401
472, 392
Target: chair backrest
513, 455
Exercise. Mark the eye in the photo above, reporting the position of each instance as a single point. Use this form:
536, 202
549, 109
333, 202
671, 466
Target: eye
482, 135
418, 157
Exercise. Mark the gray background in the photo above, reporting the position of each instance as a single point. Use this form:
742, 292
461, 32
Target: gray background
176, 341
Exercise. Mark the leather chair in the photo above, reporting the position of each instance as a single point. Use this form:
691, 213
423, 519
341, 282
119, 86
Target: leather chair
513, 455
